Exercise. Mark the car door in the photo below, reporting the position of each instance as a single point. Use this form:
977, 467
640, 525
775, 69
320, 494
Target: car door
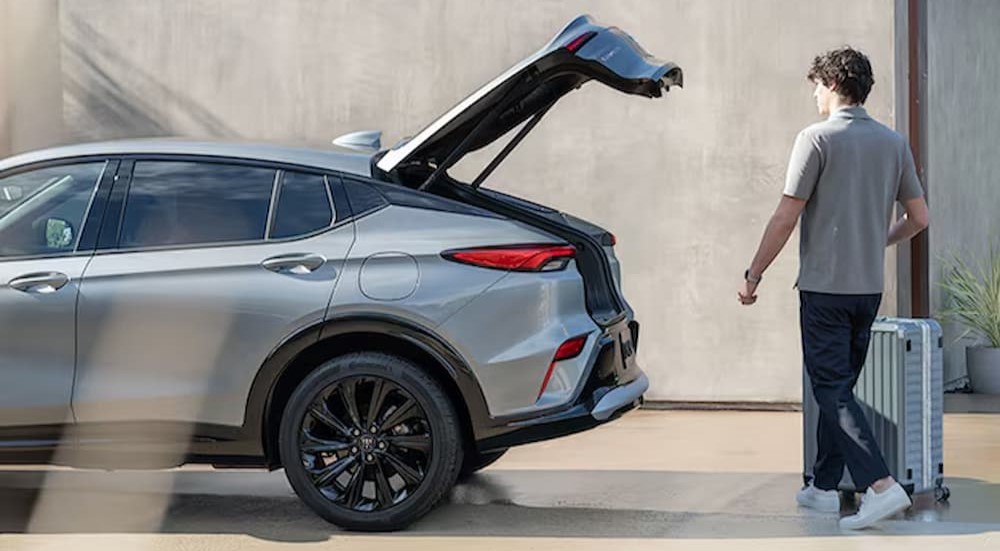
43, 253
214, 265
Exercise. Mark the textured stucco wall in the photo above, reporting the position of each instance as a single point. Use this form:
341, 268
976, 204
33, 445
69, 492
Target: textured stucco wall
963, 127
30, 75
686, 183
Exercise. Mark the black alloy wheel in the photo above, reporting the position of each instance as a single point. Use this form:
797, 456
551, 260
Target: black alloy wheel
370, 442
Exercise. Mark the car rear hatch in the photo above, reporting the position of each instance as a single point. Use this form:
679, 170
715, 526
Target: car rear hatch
583, 51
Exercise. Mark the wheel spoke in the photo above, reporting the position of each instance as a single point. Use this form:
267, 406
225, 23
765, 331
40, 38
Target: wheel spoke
368, 470
409, 474
319, 445
382, 488
379, 393
402, 413
355, 486
349, 396
416, 442
323, 477
322, 414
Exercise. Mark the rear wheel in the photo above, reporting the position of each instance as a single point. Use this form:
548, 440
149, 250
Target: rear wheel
475, 461
370, 442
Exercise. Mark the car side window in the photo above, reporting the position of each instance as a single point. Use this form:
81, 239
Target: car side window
178, 203
304, 206
42, 211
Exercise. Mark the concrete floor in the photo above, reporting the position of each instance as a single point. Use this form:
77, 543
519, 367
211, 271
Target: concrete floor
653, 480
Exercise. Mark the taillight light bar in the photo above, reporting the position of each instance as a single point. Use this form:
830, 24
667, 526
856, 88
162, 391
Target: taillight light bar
517, 258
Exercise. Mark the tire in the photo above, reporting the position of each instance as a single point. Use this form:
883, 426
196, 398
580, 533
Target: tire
475, 462
405, 466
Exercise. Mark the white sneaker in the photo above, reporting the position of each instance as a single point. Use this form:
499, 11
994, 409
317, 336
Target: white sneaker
827, 501
876, 507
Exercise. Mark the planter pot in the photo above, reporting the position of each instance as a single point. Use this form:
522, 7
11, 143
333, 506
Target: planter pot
983, 365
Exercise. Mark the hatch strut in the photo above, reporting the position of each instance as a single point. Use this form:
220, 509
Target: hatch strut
492, 116
510, 146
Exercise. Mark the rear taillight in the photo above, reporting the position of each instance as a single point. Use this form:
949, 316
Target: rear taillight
517, 258
609, 240
579, 41
567, 351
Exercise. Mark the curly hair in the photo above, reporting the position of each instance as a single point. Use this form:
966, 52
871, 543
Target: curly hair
847, 71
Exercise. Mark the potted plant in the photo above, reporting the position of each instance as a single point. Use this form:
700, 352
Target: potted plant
973, 300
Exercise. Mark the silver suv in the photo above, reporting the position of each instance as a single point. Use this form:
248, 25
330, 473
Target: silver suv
366, 321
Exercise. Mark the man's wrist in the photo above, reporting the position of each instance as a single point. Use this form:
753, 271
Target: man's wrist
749, 276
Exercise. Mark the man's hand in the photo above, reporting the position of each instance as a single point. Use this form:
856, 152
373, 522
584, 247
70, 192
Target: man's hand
779, 229
748, 293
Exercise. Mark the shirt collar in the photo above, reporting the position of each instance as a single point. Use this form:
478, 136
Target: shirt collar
856, 112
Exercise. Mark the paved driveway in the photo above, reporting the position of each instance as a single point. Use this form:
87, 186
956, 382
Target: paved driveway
653, 480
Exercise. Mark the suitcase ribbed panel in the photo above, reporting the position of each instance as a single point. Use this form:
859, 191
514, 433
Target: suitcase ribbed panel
900, 391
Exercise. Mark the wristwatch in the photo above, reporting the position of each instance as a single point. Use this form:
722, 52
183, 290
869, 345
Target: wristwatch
746, 276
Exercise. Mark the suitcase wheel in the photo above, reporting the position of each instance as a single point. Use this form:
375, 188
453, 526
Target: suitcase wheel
942, 493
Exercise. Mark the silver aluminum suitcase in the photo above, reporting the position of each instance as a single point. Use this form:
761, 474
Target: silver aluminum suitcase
901, 392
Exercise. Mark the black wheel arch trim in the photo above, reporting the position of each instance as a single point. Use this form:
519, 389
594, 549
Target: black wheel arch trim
255, 428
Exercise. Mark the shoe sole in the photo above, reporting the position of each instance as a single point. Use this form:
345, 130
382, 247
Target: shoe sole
899, 509
819, 507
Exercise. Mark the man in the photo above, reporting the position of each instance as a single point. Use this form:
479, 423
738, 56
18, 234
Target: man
844, 177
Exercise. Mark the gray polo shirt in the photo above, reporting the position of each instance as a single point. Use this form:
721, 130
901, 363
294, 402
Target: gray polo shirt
851, 169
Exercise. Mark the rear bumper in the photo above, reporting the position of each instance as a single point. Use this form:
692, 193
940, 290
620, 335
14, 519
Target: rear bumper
581, 417
619, 398
614, 385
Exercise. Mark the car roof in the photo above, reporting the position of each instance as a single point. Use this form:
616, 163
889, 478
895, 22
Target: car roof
331, 159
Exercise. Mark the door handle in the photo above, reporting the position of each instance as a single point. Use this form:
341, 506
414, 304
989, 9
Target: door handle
42, 283
298, 264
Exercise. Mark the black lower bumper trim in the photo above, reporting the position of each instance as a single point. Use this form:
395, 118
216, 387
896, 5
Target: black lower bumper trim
572, 421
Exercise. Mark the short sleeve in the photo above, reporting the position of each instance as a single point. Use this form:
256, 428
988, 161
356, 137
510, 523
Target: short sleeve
909, 184
804, 167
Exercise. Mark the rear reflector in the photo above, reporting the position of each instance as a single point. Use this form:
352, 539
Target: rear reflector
518, 258
579, 41
567, 351
570, 349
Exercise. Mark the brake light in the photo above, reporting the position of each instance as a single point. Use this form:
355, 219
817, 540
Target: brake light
567, 351
579, 41
518, 258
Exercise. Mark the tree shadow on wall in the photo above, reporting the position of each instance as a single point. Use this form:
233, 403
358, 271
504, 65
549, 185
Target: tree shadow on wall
107, 95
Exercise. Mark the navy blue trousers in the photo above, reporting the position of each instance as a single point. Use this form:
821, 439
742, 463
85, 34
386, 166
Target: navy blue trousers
836, 330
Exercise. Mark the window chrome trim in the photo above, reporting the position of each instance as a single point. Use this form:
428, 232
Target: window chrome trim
279, 175
329, 200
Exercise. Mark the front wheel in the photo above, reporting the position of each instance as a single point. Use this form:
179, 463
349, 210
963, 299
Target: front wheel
370, 442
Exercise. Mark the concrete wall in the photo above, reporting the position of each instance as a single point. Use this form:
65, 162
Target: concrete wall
963, 165
4, 81
31, 92
686, 183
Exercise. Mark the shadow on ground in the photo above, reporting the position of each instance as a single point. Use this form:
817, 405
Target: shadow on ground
496, 503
